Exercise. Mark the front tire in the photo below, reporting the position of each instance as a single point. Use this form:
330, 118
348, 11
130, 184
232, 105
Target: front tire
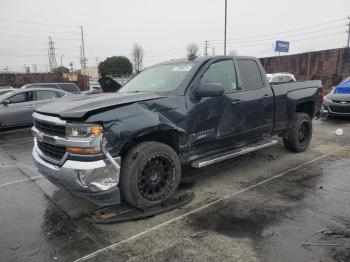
300, 134
150, 174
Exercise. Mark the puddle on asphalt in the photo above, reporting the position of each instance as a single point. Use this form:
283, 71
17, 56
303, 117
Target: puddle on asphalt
279, 216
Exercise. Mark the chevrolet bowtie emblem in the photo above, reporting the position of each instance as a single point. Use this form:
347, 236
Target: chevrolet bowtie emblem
39, 136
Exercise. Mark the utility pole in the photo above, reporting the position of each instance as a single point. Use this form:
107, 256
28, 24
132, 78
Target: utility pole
225, 26
81, 58
206, 48
83, 48
348, 31
61, 59
52, 55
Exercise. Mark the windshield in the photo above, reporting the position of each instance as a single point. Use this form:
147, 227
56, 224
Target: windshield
4, 96
162, 78
2, 92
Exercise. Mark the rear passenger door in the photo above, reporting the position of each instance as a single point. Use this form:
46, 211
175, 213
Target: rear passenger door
256, 97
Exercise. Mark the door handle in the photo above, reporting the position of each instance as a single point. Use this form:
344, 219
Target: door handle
237, 101
266, 95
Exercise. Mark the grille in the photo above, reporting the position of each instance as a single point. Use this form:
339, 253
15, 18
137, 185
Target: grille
340, 109
50, 128
338, 102
52, 151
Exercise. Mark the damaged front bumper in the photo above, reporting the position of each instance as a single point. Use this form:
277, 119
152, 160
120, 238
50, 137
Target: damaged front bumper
95, 180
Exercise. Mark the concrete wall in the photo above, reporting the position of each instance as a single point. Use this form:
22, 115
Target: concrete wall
331, 66
17, 80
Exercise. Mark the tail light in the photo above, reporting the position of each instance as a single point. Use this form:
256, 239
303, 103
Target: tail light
322, 93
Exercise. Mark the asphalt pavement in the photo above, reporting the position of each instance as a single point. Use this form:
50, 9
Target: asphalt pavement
270, 205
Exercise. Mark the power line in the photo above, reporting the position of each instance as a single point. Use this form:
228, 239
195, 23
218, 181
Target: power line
287, 36
36, 23
294, 40
30, 37
284, 32
34, 30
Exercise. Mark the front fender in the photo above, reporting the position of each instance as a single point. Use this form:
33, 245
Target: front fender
133, 121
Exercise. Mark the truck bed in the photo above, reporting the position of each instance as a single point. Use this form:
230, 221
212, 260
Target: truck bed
288, 95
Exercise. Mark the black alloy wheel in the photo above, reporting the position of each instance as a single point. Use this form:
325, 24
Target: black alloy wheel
156, 177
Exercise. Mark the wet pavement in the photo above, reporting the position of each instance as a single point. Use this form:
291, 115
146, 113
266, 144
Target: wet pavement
271, 205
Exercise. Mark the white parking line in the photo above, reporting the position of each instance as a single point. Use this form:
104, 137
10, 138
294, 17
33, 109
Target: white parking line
20, 181
19, 141
110, 247
14, 131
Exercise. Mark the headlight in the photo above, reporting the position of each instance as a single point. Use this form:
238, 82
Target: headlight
82, 130
327, 99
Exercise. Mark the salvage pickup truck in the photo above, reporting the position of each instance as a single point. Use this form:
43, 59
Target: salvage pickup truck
131, 145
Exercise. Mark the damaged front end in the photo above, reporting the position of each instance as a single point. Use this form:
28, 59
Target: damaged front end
78, 161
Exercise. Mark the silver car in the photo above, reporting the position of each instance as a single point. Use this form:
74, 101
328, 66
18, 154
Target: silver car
17, 106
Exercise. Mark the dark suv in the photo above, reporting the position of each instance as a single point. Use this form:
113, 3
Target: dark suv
68, 87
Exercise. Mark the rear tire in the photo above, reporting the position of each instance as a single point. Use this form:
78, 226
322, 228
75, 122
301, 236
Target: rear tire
150, 174
300, 134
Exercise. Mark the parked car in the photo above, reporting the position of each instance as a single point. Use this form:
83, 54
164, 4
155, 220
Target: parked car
337, 101
280, 78
4, 91
5, 87
17, 106
68, 87
131, 144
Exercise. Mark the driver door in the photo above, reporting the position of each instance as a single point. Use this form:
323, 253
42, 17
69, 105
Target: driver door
216, 122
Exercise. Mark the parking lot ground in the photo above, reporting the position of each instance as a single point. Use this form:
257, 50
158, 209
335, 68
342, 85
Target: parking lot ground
257, 207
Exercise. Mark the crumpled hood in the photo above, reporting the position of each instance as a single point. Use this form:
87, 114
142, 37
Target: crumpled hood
79, 106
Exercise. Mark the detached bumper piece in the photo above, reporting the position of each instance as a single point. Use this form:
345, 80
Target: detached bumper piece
125, 212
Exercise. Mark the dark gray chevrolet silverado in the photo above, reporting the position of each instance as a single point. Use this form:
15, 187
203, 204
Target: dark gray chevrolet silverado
132, 144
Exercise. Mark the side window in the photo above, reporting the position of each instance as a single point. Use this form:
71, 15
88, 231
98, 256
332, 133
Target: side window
222, 72
19, 98
45, 94
72, 88
282, 79
274, 79
250, 73
59, 94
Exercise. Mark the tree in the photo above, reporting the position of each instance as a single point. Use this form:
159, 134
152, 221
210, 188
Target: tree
192, 50
60, 70
114, 66
137, 57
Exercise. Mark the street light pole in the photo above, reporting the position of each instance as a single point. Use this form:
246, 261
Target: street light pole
61, 59
225, 26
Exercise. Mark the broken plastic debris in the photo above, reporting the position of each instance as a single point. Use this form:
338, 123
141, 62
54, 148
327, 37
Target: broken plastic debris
339, 132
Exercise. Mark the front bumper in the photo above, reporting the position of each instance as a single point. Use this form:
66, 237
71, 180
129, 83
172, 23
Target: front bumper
336, 109
69, 176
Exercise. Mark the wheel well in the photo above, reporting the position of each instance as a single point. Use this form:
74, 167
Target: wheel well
306, 107
168, 137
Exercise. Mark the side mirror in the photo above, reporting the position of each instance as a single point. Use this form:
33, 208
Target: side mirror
208, 90
5, 102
